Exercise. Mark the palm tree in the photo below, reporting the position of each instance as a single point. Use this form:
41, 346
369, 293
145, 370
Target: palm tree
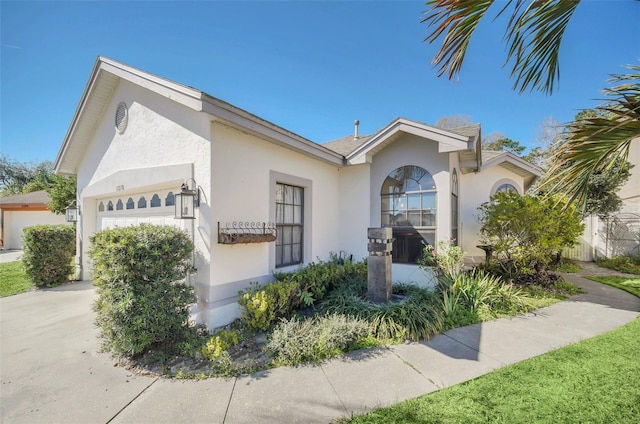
534, 33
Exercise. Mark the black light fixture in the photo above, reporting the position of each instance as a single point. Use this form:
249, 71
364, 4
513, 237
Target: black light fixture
187, 200
71, 212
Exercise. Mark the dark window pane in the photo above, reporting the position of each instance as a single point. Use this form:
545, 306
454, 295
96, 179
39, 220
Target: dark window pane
289, 220
119, 205
142, 202
155, 201
170, 200
130, 203
110, 206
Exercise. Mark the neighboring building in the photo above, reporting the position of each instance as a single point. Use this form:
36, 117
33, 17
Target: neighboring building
21, 211
619, 234
136, 137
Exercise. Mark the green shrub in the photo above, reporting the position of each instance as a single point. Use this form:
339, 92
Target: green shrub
141, 302
415, 315
219, 343
316, 279
629, 264
48, 253
527, 232
312, 340
448, 258
262, 306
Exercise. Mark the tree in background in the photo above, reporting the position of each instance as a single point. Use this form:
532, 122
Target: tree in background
505, 144
534, 33
453, 121
21, 178
62, 191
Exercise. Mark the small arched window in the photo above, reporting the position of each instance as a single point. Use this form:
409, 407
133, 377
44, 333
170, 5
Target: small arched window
101, 207
505, 188
142, 202
110, 206
170, 199
155, 201
119, 205
130, 203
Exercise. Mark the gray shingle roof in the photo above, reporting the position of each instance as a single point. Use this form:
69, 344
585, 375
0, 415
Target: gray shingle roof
346, 145
35, 197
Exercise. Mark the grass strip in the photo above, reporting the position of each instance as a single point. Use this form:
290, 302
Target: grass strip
631, 285
13, 279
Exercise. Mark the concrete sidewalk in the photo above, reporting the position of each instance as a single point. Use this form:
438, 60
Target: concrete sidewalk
51, 371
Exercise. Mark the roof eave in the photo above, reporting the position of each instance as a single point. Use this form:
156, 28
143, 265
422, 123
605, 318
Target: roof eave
245, 121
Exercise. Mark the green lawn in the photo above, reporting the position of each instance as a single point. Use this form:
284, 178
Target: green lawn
594, 381
13, 279
632, 285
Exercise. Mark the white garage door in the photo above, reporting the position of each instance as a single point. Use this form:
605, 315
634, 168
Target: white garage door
153, 207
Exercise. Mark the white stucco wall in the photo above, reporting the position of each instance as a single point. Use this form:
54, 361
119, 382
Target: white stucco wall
245, 170
164, 144
355, 209
16, 221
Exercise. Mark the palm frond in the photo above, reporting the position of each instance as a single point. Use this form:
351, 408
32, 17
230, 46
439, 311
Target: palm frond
534, 33
459, 19
596, 143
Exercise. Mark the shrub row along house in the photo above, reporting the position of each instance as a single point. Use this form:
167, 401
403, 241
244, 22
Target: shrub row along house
268, 199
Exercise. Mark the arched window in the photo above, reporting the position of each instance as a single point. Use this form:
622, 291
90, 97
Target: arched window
454, 206
110, 206
142, 202
155, 201
170, 199
505, 188
101, 207
119, 205
130, 203
408, 204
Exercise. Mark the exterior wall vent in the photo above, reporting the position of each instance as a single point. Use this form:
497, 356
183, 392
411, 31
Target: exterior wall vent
122, 117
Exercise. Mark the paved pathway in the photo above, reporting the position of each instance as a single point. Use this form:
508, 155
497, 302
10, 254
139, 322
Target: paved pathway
51, 371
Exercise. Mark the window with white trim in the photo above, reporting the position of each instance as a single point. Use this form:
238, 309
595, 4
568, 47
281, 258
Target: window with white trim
408, 205
454, 207
289, 225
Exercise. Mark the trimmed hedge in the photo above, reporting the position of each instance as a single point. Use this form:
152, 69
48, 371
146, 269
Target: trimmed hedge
141, 302
48, 253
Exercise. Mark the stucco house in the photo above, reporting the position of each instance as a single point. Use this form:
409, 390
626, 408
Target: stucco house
136, 138
24, 210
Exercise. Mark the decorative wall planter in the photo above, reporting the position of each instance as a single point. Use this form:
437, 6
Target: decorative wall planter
246, 232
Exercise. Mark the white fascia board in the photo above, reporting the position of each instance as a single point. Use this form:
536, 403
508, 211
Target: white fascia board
76, 116
447, 141
245, 121
182, 94
514, 160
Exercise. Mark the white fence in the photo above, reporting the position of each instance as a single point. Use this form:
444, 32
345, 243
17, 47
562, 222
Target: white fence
615, 236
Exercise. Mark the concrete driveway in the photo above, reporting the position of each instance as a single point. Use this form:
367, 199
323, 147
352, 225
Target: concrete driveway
51, 370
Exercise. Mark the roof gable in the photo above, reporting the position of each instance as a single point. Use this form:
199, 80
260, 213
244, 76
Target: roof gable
513, 163
448, 141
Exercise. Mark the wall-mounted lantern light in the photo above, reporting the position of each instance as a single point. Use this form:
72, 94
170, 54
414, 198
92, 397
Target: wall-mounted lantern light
187, 200
71, 212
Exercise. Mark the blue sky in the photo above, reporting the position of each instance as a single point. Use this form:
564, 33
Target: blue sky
311, 67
